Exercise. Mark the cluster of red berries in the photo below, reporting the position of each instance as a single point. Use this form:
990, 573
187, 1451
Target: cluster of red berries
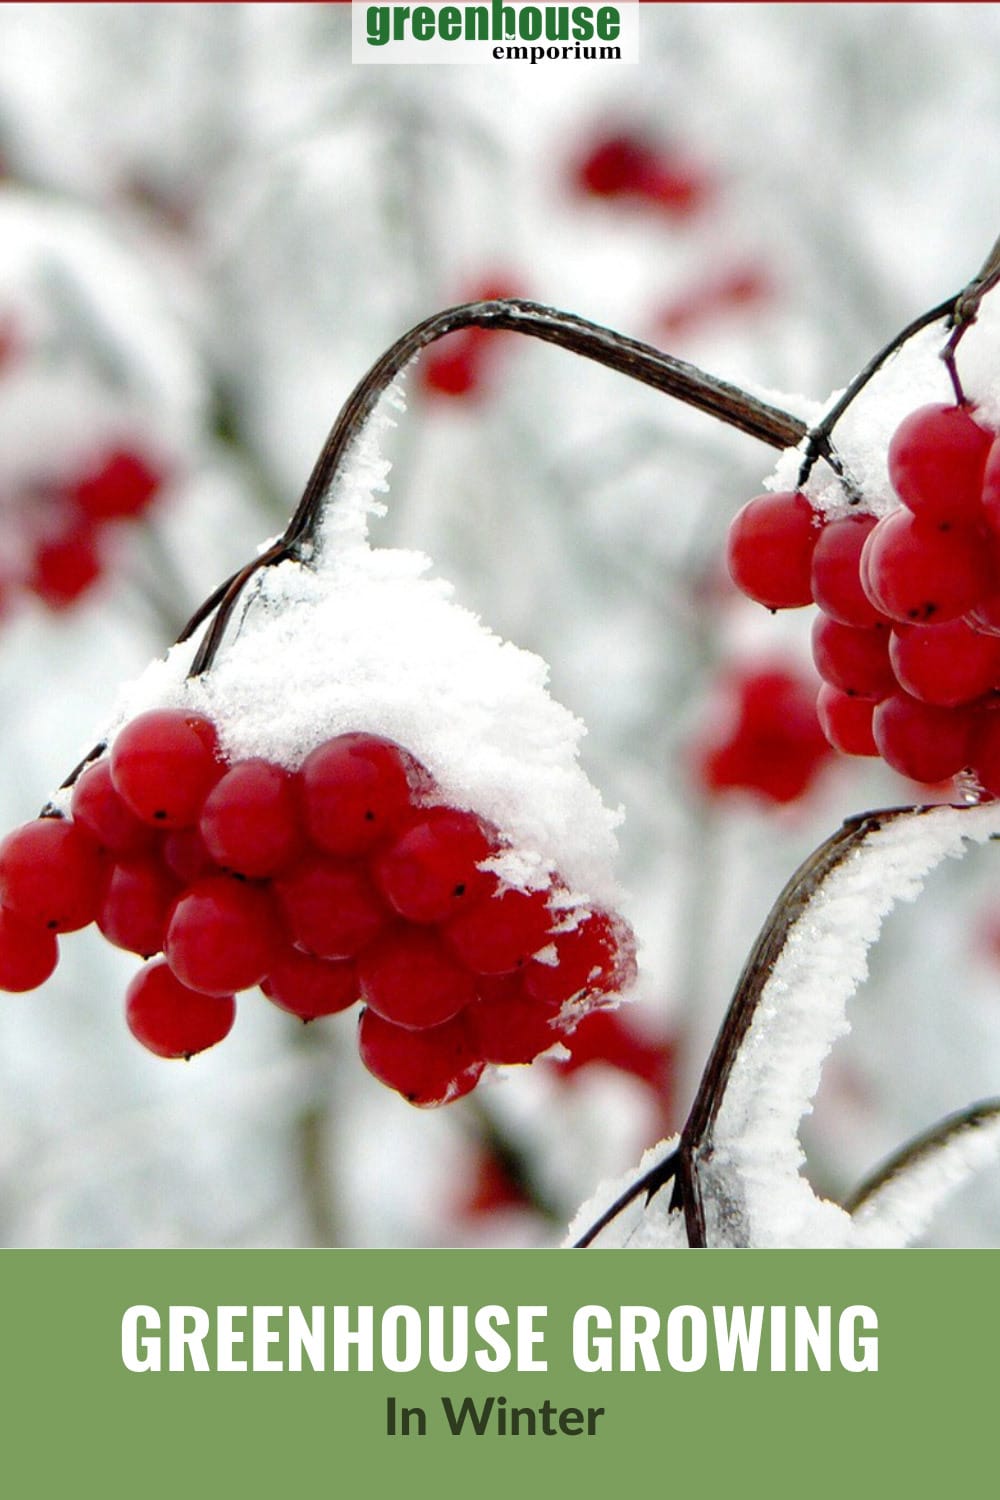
66, 520
460, 363
769, 742
346, 880
628, 166
907, 640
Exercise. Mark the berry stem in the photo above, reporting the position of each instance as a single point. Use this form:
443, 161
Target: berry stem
958, 311
965, 311
817, 443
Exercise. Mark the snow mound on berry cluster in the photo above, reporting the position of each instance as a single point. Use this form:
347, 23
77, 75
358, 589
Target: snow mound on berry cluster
363, 639
915, 376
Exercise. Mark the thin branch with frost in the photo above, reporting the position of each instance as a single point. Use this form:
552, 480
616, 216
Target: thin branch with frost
899, 1199
737, 1166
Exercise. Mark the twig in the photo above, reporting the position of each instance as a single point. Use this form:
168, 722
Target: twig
923, 1147
695, 1142
965, 312
818, 438
958, 312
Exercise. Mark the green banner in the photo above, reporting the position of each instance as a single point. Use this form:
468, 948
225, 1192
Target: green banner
447, 1373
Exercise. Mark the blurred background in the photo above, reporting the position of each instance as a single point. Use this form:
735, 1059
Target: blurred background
210, 224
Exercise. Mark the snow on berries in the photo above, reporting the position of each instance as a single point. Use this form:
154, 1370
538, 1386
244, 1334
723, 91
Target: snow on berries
906, 640
369, 803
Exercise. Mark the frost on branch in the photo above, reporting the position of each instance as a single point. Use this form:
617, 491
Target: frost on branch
745, 1158
901, 1201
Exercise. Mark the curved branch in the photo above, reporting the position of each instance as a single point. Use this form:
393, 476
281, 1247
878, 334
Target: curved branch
639, 361
631, 357
923, 1148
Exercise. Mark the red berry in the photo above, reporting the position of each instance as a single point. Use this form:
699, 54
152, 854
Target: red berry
222, 936
136, 904
453, 367
854, 660
604, 1036
28, 953
625, 166
510, 1026
836, 571
51, 873
331, 906
500, 934
771, 744
408, 976
457, 364
121, 483
250, 820
945, 664
985, 752
427, 1067
846, 722
919, 572
769, 549
920, 740
164, 763
309, 987
985, 618
66, 566
936, 461
172, 1020
356, 791
185, 855
617, 166
431, 871
990, 496
596, 958
97, 807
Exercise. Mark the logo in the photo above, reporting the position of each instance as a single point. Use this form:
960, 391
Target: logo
500, 31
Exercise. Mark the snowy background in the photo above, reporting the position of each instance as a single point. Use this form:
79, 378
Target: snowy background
210, 224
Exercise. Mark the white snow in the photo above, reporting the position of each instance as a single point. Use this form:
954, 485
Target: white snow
364, 639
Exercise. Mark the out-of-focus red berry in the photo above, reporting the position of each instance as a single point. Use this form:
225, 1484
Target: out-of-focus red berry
66, 565
119, 483
769, 740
